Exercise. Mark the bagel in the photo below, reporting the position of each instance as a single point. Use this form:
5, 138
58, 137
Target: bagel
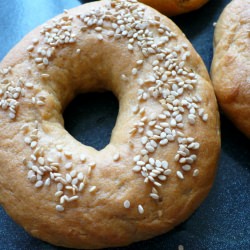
231, 63
161, 160
175, 7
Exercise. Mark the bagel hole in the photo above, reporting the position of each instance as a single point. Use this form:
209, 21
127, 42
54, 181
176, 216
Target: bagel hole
91, 117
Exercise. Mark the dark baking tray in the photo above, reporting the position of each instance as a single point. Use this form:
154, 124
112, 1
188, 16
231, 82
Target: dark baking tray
223, 220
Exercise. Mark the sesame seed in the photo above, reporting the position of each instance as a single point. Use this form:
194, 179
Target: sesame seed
35, 40
81, 187
124, 77
73, 198
180, 175
99, 37
59, 186
68, 165
92, 164
27, 140
205, 117
68, 154
135, 109
126, 204
162, 177
41, 160
154, 196
45, 75
29, 85
134, 71
59, 208
73, 173
130, 47
30, 48
39, 184
196, 172
136, 168
180, 247
157, 184
116, 157
140, 209
140, 163
47, 182
68, 178
92, 189
139, 62
144, 140
82, 157
186, 167
33, 144
58, 193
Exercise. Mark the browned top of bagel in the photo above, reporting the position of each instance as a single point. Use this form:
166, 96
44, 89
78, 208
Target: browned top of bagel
161, 160
231, 63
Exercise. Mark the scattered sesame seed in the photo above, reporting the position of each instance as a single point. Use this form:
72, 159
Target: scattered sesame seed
92, 164
154, 196
33, 144
186, 167
83, 158
137, 168
39, 184
126, 204
58, 193
124, 77
99, 37
134, 71
30, 48
59, 208
68, 165
130, 47
205, 117
92, 189
68, 154
140, 209
196, 172
116, 157
180, 247
73, 198
45, 75
180, 175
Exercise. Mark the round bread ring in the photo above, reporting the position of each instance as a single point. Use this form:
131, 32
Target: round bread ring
142, 183
175, 7
230, 66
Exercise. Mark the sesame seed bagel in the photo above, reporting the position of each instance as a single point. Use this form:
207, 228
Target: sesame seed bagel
161, 160
231, 63
175, 7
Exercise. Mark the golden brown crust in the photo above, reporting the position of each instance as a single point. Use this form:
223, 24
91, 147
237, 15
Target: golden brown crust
175, 7
36, 152
231, 63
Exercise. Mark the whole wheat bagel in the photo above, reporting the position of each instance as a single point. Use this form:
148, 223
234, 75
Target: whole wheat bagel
230, 69
175, 7
161, 160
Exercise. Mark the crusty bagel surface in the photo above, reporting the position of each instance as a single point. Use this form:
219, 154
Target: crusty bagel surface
231, 63
175, 7
161, 160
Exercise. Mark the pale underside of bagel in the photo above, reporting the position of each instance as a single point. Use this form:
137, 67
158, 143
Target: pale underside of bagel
97, 218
